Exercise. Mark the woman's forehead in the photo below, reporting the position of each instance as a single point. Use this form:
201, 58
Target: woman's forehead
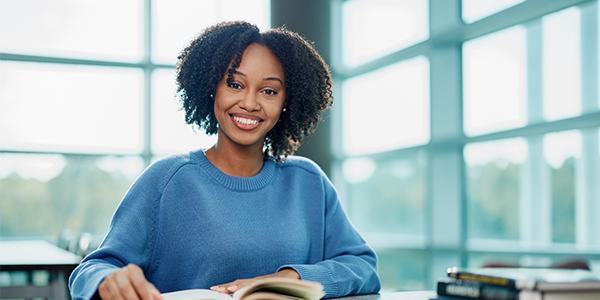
259, 60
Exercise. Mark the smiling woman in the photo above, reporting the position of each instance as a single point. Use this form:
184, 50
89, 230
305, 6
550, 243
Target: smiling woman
246, 208
214, 54
248, 105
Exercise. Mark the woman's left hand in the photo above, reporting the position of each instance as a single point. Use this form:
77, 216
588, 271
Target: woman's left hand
240, 283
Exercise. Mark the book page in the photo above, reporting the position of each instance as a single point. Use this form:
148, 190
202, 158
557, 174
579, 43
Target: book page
291, 287
269, 296
196, 294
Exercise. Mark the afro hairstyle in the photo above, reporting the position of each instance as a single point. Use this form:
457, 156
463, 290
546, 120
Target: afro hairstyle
206, 59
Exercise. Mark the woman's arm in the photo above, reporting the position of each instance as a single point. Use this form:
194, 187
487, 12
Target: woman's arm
129, 240
349, 265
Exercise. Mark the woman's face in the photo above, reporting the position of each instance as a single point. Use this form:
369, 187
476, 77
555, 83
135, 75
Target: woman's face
250, 104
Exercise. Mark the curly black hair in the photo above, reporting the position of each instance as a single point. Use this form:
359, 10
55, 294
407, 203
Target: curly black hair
308, 83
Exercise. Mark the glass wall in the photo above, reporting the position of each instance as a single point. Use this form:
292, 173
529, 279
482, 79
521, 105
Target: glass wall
87, 101
471, 140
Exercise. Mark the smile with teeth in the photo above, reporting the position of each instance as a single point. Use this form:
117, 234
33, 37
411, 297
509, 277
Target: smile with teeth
245, 121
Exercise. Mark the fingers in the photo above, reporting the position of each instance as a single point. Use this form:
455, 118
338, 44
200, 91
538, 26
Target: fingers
143, 289
154, 292
232, 287
128, 283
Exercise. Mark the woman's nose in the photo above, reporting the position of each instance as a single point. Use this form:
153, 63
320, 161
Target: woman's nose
249, 102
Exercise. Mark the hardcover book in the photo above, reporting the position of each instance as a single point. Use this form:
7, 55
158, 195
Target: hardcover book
540, 279
475, 290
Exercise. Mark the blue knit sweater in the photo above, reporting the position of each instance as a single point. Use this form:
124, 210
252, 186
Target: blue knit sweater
189, 225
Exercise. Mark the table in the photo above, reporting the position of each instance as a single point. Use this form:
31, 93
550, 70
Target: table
32, 255
424, 295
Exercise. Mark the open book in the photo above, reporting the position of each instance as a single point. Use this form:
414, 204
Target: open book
264, 289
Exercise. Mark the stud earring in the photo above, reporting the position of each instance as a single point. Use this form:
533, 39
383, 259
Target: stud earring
212, 96
284, 109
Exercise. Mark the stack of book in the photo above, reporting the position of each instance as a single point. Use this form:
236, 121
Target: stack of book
519, 284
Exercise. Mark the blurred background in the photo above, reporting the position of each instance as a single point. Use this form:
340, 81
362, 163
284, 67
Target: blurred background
463, 133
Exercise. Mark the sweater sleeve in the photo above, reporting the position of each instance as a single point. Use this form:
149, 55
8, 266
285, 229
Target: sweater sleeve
129, 238
349, 266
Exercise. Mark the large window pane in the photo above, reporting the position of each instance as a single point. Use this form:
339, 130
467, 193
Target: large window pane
176, 22
562, 64
495, 82
402, 270
52, 107
374, 28
387, 109
388, 197
44, 194
561, 152
492, 170
170, 132
105, 30
474, 10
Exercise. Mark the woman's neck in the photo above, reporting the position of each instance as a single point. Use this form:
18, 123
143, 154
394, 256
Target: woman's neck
236, 160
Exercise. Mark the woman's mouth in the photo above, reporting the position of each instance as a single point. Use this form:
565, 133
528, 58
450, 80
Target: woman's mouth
245, 121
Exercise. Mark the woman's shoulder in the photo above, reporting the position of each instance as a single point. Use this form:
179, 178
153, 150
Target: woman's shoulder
166, 166
301, 163
171, 161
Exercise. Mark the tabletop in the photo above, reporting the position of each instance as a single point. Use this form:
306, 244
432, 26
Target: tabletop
35, 254
32, 255
422, 295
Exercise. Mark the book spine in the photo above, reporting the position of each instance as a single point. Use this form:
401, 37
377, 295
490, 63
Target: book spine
499, 281
475, 290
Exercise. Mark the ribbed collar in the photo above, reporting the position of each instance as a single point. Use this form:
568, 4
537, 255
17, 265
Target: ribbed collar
256, 182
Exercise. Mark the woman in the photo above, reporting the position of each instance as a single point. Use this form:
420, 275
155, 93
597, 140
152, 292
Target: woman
245, 208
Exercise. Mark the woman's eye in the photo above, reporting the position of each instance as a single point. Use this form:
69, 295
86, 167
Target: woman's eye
270, 92
235, 86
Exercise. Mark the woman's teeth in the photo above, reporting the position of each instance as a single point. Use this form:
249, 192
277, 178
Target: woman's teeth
245, 121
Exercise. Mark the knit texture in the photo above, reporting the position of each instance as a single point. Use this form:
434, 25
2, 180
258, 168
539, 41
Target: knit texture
189, 225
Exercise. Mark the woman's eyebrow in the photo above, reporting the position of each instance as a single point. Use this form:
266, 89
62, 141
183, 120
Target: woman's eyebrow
239, 73
273, 79
265, 79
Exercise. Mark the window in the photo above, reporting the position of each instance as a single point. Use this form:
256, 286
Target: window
492, 178
387, 109
74, 29
387, 198
562, 153
374, 28
167, 117
495, 82
176, 22
70, 108
561, 52
497, 162
474, 10
87, 101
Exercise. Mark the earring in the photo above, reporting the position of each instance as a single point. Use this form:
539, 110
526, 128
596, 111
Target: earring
284, 109
212, 96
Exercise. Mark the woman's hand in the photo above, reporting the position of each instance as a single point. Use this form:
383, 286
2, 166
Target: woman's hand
240, 283
128, 283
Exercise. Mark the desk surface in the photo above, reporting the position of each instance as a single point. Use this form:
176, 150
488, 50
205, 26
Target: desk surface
32, 254
35, 254
423, 295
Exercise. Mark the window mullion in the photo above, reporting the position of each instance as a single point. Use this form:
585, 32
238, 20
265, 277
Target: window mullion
587, 176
